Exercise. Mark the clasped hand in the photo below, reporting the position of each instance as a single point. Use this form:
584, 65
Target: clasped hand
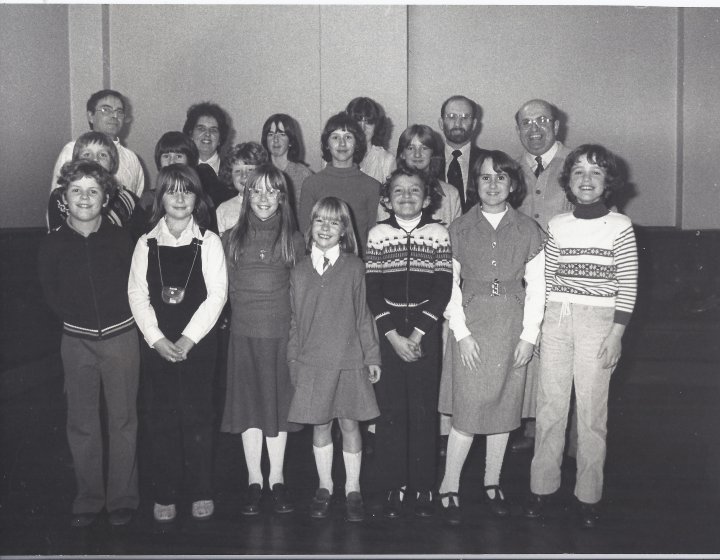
408, 348
174, 351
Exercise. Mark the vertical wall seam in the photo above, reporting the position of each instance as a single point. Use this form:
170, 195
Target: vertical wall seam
320, 70
680, 118
407, 66
105, 17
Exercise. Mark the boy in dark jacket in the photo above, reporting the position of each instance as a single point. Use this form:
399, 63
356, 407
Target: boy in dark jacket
83, 267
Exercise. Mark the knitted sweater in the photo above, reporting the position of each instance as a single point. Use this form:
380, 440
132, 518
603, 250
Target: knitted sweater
84, 279
408, 270
258, 282
361, 192
591, 259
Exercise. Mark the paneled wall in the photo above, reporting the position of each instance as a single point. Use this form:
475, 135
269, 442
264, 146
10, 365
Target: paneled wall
643, 81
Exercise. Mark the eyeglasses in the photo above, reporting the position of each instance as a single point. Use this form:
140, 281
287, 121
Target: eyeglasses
257, 193
109, 111
455, 116
540, 122
202, 129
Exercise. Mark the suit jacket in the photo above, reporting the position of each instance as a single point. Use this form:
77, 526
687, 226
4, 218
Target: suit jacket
545, 197
471, 197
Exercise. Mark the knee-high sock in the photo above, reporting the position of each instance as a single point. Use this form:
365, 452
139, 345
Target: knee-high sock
276, 453
252, 447
494, 455
352, 471
323, 462
457, 451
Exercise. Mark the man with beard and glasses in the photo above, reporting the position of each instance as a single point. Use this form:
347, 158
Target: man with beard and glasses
458, 121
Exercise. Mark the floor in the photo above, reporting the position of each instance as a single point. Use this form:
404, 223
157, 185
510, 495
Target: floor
662, 489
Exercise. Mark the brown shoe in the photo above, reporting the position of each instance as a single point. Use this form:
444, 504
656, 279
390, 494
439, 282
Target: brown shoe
354, 508
321, 503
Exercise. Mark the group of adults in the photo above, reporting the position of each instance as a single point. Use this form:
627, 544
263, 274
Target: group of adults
449, 157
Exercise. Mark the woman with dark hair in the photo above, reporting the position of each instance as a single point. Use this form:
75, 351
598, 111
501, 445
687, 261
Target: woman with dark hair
208, 126
343, 147
281, 139
370, 116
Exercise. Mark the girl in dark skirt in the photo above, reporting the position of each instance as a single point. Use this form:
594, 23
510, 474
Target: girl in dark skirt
261, 249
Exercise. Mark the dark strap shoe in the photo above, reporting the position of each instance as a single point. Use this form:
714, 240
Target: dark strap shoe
281, 500
252, 500
588, 515
451, 512
393, 505
534, 506
498, 505
424, 505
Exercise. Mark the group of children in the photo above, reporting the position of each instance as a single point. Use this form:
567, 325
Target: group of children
315, 316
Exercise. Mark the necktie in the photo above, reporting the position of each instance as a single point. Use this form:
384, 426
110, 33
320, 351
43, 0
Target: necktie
454, 175
539, 169
326, 264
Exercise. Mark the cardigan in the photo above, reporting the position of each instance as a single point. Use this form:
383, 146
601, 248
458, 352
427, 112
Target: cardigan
591, 259
84, 279
408, 269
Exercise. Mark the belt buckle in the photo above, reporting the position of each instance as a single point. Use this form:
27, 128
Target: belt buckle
495, 288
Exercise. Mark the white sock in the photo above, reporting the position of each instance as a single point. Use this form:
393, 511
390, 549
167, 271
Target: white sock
323, 462
276, 452
352, 471
252, 447
494, 455
457, 451
371, 428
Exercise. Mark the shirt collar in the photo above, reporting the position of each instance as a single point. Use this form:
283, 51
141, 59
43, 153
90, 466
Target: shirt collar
547, 157
318, 256
214, 162
162, 233
449, 150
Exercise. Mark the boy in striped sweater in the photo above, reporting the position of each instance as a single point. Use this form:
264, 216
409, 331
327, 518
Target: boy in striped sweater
591, 282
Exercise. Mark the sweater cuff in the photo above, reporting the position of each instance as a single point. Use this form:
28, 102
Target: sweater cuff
622, 317
427, 322
385, 323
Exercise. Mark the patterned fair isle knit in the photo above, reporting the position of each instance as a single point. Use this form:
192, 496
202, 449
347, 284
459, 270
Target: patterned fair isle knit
592, 261
408, 270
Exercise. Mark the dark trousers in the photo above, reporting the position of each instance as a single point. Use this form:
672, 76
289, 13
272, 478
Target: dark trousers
181, 421
406, 431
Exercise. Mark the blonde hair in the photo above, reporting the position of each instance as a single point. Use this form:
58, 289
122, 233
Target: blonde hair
335, 209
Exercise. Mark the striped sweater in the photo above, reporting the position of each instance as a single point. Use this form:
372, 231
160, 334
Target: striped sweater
591, 259
407, 270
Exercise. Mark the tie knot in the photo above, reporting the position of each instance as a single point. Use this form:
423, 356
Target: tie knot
538, 159
326, 262
456, 154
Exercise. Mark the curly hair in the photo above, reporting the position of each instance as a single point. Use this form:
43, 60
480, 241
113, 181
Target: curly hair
207, 109
79, 168
600, 156
431, 187
249, 153
343, 121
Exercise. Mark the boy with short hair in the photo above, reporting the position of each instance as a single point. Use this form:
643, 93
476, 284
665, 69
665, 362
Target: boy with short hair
83, 267
409, 282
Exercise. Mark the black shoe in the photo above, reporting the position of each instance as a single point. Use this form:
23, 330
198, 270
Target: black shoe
120, 517
442, 446
522, 444
534, 506
321, 503
393, 504
498, 505
451, 512
252, 500
588, 515
281, 501
82, 520
424, 506
354, 508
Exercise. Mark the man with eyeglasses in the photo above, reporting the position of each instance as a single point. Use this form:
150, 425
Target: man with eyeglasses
106, 114
458, 121
537, 126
